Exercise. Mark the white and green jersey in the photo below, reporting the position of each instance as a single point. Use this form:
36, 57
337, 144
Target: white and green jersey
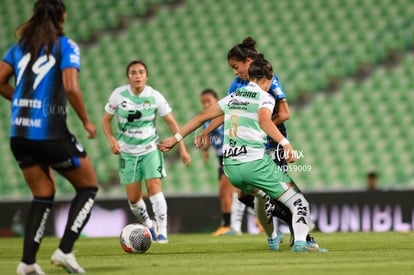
244, 140
136, 114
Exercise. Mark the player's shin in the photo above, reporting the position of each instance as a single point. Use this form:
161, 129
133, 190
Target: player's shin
79, 213
35, 227
299, 207
237, 212
139, 209
159, 206
261, 215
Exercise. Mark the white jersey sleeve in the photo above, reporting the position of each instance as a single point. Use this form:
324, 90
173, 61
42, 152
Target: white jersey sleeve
267, 101
223, 102
114, 100
163, 108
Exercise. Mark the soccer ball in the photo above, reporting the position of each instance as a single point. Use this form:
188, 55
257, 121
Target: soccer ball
135, 238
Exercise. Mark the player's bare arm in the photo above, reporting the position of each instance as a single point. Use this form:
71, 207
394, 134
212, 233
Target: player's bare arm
6, 72
283, 113
269, 127
73, 92
202, 138
106, 126
173, 125
210, 113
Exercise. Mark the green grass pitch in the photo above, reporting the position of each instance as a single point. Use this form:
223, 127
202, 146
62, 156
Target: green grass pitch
349, 253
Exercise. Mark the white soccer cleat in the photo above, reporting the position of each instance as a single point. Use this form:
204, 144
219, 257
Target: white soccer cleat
66, 261
29, 269
162, 239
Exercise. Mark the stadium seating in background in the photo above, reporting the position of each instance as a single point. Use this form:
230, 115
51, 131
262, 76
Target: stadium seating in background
365, 126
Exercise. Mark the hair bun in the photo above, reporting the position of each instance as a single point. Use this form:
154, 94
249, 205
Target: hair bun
260, 56
249, 43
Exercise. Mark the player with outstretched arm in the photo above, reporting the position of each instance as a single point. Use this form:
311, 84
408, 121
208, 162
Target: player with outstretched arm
239, 58
247, 120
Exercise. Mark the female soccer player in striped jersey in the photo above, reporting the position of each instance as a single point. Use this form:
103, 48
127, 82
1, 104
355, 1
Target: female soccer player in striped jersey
136, 106
45, 65
247, 120
239, 59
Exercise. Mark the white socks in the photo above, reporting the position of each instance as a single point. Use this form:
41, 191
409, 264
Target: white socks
139, 209
299, 207
237, 212
159, 206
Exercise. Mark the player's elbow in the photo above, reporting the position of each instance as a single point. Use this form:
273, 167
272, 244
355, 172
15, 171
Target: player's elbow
71, 92
284, 116
263, 123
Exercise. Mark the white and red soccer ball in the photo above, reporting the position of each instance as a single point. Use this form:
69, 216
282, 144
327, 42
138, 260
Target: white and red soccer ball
135, 238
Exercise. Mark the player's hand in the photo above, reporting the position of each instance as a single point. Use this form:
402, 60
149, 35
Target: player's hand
115, 148
90, 128
185, 157
290, 155
200, 140
167, 144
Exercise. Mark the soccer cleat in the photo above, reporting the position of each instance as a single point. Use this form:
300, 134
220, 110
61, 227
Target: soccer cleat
162, 239
275, 242
281, 236
220, 231
309, 239
302, 246
153, 234
26, 269
66, 261
311, 242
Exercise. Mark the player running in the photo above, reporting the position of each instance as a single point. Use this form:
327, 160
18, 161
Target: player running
45, 65
136, 106
248, 118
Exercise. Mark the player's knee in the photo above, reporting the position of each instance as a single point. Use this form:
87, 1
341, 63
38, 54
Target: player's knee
247, 200
91, 191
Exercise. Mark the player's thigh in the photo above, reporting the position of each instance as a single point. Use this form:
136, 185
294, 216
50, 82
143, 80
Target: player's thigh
40, 180
129, 171
237, 178
225, 187
154, 186
38, 176
83, 175
153, 170
266, 175
152, 165
68, 157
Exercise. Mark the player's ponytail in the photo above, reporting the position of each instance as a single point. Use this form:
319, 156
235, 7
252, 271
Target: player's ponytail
246, 49
260, 68
43, 28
